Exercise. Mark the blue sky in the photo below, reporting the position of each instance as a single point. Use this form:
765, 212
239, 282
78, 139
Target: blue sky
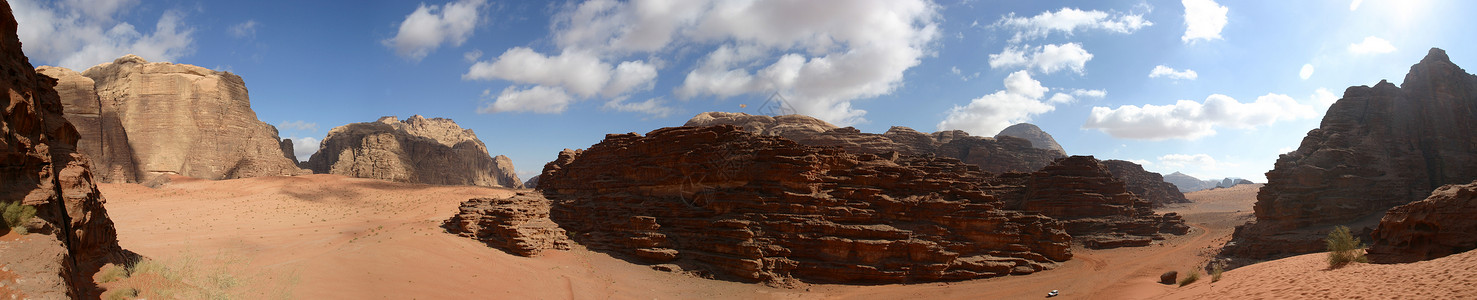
1212, 89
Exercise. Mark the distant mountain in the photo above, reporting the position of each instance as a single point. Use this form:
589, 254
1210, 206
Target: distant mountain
1187, 183
1039, 138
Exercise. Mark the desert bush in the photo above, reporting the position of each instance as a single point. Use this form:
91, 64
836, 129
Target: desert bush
1344, 248
185, 278
1194, 275
16, 214
1215, 271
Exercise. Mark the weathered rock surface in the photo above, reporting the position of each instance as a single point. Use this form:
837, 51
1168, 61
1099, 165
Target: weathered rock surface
1039, 139
1231, 182
1145, 184
1441, 225
997, 155
1096, 207
71, 236
518, 224
757, 207
140, 119
531, 183
1186, 183
1377, 148
416, 150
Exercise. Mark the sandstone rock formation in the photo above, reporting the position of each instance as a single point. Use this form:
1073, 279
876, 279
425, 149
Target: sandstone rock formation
518, 224
759, 207
1039, 139
1231, 182
1145, 184
1438, 226
71, 236
996, 155
1186, 183
1377, 148
140, 119
1096, 207
416, 150
531, 183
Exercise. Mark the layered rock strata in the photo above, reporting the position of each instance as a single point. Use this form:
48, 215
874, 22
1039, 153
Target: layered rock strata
755, 207
1096, 208
416, 150
139, 120
1378, 147
1148, 185
71, 236
519, 224
1438, 226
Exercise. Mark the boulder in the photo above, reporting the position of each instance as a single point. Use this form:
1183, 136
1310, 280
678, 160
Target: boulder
140, 119
416, 150
70, 237
1170, 277
755, 207
1096, 207
1438, 226
1039, 139
1377, 147
1145, 184
519, 224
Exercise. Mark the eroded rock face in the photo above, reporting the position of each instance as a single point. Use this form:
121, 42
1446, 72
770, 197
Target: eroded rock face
518, 224
996, 155
71, 235
1377, 148
1145, 184
756, 207
1097, 208
140, 119
1039, 139
416, 150
1438, 226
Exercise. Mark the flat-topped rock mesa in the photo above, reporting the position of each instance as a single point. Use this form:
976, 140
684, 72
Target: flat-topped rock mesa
416, 150
1377, 148
1438, 226
754, 207
1039, 138
519, 224
996, 155
138, 120
1097, 208
70, 237
1148, 185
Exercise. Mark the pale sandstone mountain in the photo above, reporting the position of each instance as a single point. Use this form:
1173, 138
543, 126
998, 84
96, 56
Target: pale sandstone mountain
1039, 138
416, 150
138, 120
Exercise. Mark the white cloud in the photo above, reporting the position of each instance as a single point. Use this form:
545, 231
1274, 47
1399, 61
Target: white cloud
472, 56
1324, 98
1200, 161
1306, 72
962, 76
1192, 120
79, 34
1204, 20
244, 30
1163, 71
1354, 5
1066, 98
1089, 93
1046, 59
1068, 20
304, 147
1372, 45
652, 107
987, 115
426, 28
1141, 162
298, 126
537, 99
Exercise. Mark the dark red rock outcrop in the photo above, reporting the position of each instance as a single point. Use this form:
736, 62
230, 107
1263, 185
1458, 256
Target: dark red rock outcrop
1377, 148
764, 208
1441, 225
71, 236
1148, 185
519, 224
1096, 208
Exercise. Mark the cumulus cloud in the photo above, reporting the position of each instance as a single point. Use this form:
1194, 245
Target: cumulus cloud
428, 27
1068, 20
1163, 71
1324, 98
536, 99
1047, 59
297, 126
652, 107
1069, 97
79, 34
1192, 120
472, 56
244, 30
1306, 72
1372, 45
987, 115
579, 72
1204, 20
1200, 161
304, 147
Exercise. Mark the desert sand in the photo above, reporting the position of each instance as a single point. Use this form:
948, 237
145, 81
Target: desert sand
335, 237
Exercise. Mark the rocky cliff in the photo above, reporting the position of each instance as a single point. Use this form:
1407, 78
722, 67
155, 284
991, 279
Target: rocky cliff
997, 155
1097, 208
71, 236
1438, 226
416, 150
1039, 139
1145, 184
756, 207
140, 119
519, 224
1377, 147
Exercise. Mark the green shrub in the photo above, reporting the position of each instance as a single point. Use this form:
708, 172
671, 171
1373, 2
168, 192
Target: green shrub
1343, 248
1194, 275
16, 214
